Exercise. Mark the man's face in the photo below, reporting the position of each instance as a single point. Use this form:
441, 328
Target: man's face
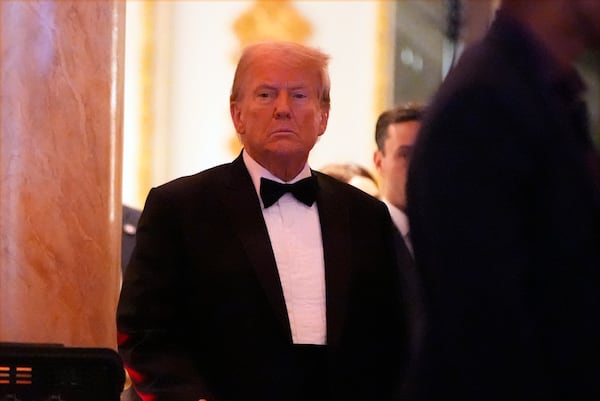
279, 112
392, 162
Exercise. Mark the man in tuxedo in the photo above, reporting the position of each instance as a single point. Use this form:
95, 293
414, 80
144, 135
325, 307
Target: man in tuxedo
263, 279
504, 207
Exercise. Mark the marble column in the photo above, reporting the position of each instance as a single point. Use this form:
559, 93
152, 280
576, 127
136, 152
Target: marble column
60, 170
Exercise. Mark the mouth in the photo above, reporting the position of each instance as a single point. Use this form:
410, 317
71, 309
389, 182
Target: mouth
282, 131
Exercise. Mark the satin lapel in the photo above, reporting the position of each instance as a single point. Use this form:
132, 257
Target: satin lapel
242, 203
335, 229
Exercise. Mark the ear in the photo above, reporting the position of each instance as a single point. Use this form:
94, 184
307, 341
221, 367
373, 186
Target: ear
324, 118
377, 157
236, 117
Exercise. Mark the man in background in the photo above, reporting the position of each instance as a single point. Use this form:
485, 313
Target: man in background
504, 208
395, 134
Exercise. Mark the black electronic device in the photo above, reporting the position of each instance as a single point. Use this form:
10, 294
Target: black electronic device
53, 372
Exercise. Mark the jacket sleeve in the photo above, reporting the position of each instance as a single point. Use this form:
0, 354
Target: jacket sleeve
154, 339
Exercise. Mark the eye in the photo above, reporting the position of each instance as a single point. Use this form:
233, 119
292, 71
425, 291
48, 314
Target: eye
264, 96
299, 95
405, 152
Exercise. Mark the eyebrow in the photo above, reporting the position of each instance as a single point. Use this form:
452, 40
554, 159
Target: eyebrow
275, 87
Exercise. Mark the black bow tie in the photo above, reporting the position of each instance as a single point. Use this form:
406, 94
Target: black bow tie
304, 190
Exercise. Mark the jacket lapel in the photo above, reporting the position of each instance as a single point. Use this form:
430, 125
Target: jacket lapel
335, 226
242, 203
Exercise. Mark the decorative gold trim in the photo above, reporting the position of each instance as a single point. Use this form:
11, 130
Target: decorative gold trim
146, 100
267, 19
384, 56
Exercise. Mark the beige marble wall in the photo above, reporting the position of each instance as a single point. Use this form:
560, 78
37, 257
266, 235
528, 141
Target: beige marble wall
60, 170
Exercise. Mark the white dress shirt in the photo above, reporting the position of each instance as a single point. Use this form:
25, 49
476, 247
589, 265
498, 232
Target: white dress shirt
400, 220
295, 234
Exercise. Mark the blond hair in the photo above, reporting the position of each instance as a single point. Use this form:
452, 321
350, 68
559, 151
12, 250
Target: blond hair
290, 54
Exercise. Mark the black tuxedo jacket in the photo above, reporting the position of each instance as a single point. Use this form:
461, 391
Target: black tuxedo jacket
505, 223
131, 217
202, 313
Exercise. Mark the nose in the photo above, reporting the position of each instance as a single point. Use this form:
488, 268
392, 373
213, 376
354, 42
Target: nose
282, 106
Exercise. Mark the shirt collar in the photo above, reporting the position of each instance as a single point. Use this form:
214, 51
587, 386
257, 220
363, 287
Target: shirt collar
399, 218
257, 172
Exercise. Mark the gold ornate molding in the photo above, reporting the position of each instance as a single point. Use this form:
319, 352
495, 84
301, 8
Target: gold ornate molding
384, 56
268, 19
146, 101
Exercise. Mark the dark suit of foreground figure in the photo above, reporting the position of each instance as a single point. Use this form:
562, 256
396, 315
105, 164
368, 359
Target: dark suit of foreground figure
226, 299
504, 209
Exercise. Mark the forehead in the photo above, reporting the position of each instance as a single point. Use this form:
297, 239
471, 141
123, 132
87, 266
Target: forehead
277, 73
403, 133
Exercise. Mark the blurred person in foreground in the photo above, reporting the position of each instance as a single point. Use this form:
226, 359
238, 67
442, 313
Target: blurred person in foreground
353, 174
240, 290
395, 135
504, 208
